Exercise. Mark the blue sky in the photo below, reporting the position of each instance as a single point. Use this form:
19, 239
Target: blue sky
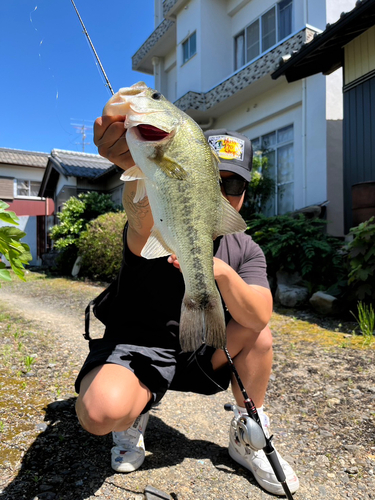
49, 78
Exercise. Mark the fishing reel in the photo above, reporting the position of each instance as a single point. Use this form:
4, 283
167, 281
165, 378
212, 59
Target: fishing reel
248, 431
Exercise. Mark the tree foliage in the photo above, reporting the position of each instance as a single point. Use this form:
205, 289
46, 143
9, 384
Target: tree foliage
73, 219
361, 257
17, 253
101, 245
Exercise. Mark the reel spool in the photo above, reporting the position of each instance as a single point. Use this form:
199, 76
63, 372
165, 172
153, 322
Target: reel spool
248, 431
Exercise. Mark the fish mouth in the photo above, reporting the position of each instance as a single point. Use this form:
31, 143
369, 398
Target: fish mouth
151, 133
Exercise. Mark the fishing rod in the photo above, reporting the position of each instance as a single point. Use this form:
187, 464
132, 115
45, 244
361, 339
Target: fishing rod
93, 49
251, 432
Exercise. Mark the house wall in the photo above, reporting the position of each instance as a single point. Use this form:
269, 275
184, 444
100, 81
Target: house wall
28, 225
313, 106
8, 191
188, 74
359, 140
360, 56
216, 47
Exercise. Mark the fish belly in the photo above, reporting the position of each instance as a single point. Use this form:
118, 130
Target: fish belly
186, 225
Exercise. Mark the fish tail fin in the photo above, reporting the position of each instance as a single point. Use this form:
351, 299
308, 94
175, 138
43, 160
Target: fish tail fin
202, 324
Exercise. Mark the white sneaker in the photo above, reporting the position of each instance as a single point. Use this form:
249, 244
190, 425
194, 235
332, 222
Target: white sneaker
258, 464
129, 452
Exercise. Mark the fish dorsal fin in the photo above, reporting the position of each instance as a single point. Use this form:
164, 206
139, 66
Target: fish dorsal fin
231, 220
171, 168
155, 246
135, 174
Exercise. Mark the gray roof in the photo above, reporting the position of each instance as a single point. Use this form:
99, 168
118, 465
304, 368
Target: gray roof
23, 158
78, 164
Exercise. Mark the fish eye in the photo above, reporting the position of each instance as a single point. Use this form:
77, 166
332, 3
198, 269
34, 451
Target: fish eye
156, 96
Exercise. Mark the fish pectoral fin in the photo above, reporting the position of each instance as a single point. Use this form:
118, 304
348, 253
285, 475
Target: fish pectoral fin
171, 168
141, 192
135, 174
231, 220
155, 246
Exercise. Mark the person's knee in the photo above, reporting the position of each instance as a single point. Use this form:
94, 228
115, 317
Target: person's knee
264, 340
98, 414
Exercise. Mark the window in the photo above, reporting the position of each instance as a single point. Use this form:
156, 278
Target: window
268, 29
189, 47
27, 188
262, 34
284, 18
278, 147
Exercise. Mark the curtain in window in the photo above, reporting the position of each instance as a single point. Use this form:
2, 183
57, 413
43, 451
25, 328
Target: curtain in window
240, 50
252, 38
185, 51
285, 18
22, 188
285, 198
34, 188
268, 29
193, 44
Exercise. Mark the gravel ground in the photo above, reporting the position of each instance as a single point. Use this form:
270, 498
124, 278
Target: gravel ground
320, 401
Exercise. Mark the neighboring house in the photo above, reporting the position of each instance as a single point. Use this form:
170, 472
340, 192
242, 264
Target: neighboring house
214, 60
69, 173
21, 174
36, 185
350, 44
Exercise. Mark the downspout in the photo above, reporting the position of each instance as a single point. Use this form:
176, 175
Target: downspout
208, 125
304, 119
304, 146
155, 64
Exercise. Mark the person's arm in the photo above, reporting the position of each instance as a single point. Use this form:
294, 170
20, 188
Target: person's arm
109, 137
249, 305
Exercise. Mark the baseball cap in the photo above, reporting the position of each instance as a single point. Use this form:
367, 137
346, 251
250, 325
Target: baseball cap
234, 150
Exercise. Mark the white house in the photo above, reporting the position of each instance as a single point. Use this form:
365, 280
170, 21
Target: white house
21, 174
214, 59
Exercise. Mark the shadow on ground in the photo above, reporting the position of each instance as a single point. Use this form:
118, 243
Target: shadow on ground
66, 462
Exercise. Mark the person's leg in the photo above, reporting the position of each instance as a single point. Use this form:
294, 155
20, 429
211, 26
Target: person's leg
252, 355
111, 397
251, 352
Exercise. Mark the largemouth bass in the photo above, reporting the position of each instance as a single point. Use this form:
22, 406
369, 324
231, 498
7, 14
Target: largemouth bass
178, 171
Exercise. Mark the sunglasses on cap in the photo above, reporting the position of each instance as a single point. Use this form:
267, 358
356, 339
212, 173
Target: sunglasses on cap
234, 185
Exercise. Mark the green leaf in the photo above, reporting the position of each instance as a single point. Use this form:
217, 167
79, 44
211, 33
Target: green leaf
5, 275
9, 218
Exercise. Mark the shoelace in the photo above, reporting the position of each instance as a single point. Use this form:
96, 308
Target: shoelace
128, 440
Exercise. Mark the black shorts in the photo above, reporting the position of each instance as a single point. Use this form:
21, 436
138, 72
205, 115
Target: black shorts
160, 369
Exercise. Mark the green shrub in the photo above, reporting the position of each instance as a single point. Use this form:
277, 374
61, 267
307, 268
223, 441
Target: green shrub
73, 219
17, 253
296, 244
100, 246
361, 256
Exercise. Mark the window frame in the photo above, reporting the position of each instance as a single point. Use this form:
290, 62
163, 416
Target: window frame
28, 181
188, 42
275, 148
259, 20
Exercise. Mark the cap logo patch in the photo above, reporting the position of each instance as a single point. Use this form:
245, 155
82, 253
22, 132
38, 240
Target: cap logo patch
227, 147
